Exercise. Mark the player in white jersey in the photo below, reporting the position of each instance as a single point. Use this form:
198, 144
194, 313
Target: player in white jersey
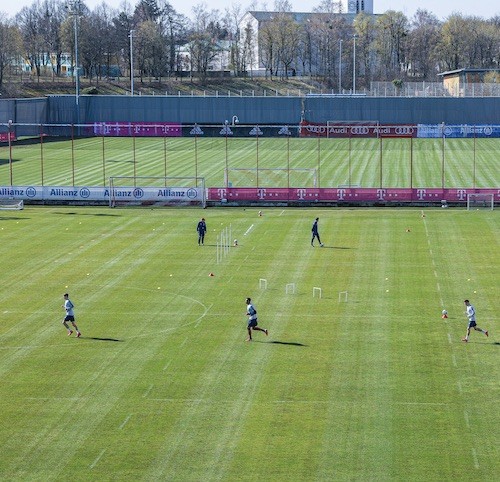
252, 319
471, 315
70, 316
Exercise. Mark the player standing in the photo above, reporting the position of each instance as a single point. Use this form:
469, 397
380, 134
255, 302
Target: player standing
202, 229
70, 316
471, 315
252, 319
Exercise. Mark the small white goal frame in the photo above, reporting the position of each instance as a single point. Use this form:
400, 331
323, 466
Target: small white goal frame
11, 204
480, 201
317, 290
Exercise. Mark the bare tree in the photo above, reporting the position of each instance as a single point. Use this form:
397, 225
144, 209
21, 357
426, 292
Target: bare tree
174, 31
422, 41
268, 48
203, 42
287, 42
30, 21
240, 48
123, 23
392, 30
10, 45
365, 30
52, 14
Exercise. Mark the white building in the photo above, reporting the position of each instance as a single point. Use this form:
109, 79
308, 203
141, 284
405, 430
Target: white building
253, 21
357, 6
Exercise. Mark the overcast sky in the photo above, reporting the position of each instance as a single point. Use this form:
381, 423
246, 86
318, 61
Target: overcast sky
442, 9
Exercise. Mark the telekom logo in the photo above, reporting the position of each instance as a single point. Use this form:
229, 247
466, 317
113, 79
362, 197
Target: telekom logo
381, 194
341, 194
421, 194
461, 193
301, 194
261, 193
221, 193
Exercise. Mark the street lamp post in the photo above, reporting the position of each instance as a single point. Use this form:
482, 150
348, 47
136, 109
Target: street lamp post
131, 36
74, 8
340, 67
354, 66
10, 150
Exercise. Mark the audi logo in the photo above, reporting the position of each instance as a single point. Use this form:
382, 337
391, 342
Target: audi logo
403, 130
360, 130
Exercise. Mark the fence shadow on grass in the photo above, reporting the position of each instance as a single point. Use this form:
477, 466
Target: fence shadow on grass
73, 213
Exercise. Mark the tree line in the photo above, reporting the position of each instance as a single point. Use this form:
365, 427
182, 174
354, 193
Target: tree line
164, 42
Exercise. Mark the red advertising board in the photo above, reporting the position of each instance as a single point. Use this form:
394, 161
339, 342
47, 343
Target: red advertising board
356, 130
347, 195
4, 136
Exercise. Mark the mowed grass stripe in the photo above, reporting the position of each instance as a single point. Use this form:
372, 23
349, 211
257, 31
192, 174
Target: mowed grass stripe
218, 453
465, 367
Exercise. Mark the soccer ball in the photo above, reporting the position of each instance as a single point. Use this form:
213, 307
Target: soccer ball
444, 312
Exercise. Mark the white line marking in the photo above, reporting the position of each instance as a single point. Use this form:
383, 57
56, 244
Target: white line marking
124, 422
167, 365
466, 416
146, 393
248, 230
474, 456
459, 385
97, 459
449, 338
207, 310
184, 342
282, 212
454, 360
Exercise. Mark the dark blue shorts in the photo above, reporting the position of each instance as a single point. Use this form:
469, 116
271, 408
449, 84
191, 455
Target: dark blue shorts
472, 324
252, 323
69, 318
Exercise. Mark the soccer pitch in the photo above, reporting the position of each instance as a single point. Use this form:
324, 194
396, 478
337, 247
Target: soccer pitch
163, 386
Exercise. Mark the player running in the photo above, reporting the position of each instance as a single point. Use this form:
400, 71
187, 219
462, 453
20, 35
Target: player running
70, 316
471, 315
252, 319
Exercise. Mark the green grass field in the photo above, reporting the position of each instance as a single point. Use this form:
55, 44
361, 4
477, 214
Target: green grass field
163, 386
403, 163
